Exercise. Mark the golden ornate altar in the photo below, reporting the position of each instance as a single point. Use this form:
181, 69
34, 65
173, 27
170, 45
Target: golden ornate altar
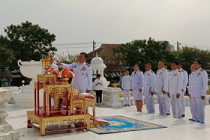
63, 107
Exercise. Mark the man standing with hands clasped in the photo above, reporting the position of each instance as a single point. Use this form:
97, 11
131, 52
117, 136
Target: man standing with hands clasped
175, 82
126, 87
184, 86
149, 88
161, 88
199, 86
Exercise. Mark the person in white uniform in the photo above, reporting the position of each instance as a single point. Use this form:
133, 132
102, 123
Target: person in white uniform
161, 88
185, 82
126, 87
137, 79
192, 69
149, 88
168, 100
83, 74
175, 81
199, 85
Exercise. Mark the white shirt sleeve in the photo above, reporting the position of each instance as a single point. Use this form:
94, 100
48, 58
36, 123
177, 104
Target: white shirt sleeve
185, 78
89, 79
69, 66
141, 80
153, 78
123, 80
204, 82
165, 81
180, 79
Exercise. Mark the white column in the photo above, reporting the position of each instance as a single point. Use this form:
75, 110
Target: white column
102, 73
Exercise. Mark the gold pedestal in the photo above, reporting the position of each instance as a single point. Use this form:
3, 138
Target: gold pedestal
42, 123
60, 114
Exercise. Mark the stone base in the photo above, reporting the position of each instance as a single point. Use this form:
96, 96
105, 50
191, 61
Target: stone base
14, 91
111, 97
7, 133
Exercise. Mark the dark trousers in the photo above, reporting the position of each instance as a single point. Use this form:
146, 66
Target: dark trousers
98, 96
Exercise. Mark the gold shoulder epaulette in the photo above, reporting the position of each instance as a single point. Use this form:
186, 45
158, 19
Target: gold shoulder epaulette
152, 71
168, 70
202, 69
183, 70
88, 64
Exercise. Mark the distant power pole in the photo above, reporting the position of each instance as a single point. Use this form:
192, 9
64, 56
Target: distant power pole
94, 43
178, 45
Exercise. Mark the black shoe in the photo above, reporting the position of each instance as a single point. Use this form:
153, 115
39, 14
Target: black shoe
125, 105
183, 115
191, 120
29, 126
168, 114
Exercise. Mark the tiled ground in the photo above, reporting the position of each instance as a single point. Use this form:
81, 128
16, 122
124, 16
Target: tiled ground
178, 129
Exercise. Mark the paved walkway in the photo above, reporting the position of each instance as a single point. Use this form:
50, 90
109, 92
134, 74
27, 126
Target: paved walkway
178, 129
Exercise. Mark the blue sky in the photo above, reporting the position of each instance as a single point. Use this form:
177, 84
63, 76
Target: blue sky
113, 21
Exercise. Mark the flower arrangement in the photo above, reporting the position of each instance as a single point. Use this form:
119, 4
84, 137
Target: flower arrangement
53, 71
66, 73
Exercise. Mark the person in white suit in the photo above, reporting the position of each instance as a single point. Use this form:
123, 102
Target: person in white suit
137, 80
184, 86
149, 88
168, 98
175, 81
192, 69
199, 87
161, 88
83, 74
126, 87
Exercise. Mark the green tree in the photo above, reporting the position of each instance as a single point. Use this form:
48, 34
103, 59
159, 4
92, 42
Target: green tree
144, 51
188, 54
28, 41
6, 58
68, 58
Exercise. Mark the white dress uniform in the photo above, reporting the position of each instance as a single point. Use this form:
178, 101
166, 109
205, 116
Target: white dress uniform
190, 91
175, 81
168, 100
199, 86
160, 85
148, 87
52, 66
185, 82
137, 79
83, 76
126, 85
